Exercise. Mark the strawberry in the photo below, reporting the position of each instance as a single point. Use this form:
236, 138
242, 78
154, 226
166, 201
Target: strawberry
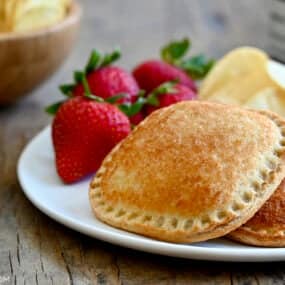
167, 94
152, 73
83, 132
109, 81
173, 66
103, 79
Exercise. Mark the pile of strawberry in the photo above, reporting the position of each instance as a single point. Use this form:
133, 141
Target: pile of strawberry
105, 101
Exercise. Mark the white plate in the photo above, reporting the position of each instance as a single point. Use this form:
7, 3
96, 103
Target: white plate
69, 205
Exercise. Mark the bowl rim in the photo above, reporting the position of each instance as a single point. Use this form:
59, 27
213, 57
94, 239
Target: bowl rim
73, 16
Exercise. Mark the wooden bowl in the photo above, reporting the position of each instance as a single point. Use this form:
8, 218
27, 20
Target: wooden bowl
27, 59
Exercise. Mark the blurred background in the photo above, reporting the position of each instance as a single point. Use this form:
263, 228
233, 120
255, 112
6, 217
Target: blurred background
140, 28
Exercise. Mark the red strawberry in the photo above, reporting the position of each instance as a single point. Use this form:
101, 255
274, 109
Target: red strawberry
103, 79
168, 94
153, 73
83, 132
109, 81
175, 66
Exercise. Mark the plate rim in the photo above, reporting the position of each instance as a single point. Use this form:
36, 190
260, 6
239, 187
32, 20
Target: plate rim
141, 243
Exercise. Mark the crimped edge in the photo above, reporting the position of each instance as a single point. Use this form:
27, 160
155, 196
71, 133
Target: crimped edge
262, 237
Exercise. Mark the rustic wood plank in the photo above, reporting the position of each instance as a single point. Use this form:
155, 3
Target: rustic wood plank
36, 250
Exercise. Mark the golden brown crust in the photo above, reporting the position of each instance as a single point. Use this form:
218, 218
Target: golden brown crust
191, 172
267, 227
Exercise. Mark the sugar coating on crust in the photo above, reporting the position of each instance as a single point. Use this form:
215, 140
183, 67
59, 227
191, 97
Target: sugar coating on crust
190, 172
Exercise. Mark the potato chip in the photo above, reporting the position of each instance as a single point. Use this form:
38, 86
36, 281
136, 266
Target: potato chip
246, 77
24, 15
239, 91
276, 71
237, 65
268, 99
37, 15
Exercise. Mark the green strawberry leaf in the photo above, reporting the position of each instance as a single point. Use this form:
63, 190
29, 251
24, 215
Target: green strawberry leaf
52, 109
167, 87
152, 100
131, 109
115, 98
67, 89
94, 61
137, 106
175, 50
198, 66
78, 76
111, 57
81, 76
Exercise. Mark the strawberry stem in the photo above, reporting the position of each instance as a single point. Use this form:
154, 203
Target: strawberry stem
167, 87
96, 60
196, 67
85, 84
94, 98
115, 98
110, 58
87, 91
131, 109
93, 61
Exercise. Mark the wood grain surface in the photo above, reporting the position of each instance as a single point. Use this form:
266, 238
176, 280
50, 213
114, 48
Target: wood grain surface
36, 250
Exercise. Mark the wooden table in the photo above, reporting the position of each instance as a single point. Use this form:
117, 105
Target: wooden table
36, 250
